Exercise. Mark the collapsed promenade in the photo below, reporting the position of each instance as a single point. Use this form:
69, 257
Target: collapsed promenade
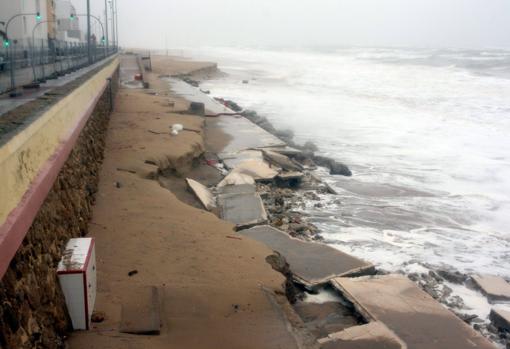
215, 286
172, 273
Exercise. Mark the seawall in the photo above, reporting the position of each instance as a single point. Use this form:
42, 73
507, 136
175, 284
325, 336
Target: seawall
50, 172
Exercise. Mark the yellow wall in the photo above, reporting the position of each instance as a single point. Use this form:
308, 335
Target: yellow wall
23, 156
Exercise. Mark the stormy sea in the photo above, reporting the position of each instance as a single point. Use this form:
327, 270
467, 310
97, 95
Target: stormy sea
426, 133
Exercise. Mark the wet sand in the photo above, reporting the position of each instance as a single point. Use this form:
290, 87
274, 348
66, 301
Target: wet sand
215, 291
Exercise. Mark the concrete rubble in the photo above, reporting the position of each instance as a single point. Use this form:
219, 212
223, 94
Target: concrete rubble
414, 316
242, 209
203, 194
259, 170
235, 178
281, 161
235, 159
494, 287
311, 264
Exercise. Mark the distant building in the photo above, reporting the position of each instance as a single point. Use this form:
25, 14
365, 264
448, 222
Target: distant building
52, 19
21, 28
68, 25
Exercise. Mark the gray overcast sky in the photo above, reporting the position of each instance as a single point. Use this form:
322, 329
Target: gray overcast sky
410, 23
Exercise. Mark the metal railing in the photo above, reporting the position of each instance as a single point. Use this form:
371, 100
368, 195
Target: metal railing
35, 61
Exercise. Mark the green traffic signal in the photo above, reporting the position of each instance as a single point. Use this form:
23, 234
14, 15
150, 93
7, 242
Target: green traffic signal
72, 16
103, 40
7, 43
38, 16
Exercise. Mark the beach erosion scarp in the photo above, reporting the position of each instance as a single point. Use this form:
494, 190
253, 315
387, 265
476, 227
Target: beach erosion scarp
244, 281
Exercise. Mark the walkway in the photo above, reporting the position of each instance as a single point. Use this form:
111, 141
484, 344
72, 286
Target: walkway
215, 291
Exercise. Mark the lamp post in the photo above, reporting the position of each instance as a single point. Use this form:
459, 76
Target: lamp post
33, 48
89, 53
114, 39
7, 44
98, 20
116, 22
106, 21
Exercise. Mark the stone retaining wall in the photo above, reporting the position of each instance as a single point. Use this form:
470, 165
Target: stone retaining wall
32, 308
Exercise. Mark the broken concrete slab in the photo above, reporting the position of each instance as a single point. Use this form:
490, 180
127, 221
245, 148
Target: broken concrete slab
281, 160
141, 314
235, 179
289, 179
374, 335
235, 159
243, 209
203, 194
500, 318
259, 170
414, 316
311, 263
494, 287
238, 189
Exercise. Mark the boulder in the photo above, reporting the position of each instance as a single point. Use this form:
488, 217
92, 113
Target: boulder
335, 168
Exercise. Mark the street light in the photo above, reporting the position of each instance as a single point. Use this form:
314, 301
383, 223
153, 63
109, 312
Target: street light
7, 44
99, 21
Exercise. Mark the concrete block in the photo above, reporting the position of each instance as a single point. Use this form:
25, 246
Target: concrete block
244, 209
494, 287
500, 318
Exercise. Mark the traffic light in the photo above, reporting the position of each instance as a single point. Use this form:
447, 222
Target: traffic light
72, 17
103, 40
38, 16
7, 43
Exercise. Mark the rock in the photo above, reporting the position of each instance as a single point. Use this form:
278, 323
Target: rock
285, 134
310, 195
310, 147
335, 168
493, 329
98, 316
297, 227
453, 277
233, 105
338, 168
